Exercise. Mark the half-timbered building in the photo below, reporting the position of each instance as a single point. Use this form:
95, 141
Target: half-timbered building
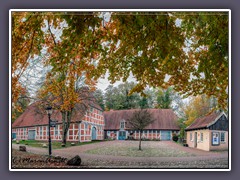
165, 124
87, 124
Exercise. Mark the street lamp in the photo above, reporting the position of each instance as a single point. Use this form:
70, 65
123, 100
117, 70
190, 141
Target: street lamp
49, 112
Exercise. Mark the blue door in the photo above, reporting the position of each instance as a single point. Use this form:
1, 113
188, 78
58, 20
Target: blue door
14, 135
122, 135
165, 135
94, 133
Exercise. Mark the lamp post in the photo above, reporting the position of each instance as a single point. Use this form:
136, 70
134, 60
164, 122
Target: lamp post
49, 112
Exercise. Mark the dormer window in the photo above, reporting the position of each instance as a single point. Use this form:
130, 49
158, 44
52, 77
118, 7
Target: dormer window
91, 109
122, 124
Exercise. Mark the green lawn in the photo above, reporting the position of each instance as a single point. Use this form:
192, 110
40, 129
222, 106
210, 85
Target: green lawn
55, 144
134, 152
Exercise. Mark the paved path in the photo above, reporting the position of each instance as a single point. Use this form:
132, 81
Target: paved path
201, 159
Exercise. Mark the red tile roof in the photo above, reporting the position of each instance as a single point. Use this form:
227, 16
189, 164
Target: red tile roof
35, 115
204, 121
165, 119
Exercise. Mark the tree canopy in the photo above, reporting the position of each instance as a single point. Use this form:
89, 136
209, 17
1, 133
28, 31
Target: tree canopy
198, 106
119, 97
193, 52
190, 48
164, 98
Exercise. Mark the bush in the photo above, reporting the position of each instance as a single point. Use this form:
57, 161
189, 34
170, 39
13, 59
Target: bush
175, 138
63, 145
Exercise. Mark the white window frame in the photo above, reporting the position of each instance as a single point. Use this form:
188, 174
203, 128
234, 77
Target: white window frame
191, 136
122, 123
47, 131
24, 132
201, 137
56, 130
40, 131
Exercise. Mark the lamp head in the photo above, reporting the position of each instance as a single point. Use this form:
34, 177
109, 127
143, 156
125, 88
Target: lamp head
49, 110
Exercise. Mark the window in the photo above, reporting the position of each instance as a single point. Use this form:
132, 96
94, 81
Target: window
56, 130
91, 109
122, 125
191, 137
215, 138
222, 136
24, 132
40, 130
201, 136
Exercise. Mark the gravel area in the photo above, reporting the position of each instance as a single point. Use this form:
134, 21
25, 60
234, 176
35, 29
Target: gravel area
149, 149
173, 155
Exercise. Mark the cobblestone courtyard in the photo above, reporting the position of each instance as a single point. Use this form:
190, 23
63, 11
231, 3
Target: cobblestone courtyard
125, 154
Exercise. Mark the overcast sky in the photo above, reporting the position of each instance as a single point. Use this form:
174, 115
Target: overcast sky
103, 83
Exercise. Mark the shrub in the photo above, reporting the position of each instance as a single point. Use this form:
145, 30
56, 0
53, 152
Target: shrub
63, 145
175, 138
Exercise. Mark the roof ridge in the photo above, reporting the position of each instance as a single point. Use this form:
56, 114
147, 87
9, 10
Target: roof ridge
136, 109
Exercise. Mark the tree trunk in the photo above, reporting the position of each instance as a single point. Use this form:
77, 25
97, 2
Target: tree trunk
140, 148
63, 127
64, 140
66, 119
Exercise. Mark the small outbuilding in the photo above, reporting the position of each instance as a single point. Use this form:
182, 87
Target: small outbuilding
209, 132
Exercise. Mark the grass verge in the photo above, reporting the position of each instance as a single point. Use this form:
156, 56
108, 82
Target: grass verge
55, 144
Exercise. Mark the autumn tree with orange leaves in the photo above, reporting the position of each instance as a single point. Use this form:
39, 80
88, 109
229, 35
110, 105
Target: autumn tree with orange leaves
27, 40
197, 107
70, 57
72, 62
